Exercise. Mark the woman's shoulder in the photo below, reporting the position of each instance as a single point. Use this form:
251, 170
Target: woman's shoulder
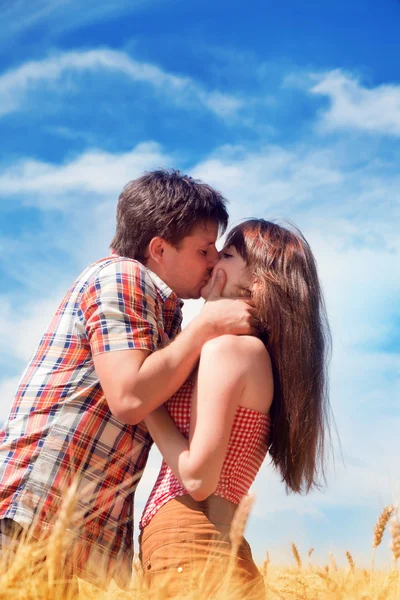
236, 345
242, 362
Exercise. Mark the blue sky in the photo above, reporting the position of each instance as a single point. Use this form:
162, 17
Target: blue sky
293, 112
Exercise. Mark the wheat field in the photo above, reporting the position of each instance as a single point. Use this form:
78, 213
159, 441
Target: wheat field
28, 576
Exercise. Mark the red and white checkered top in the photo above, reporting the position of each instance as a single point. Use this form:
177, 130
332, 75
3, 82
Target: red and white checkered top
247, 448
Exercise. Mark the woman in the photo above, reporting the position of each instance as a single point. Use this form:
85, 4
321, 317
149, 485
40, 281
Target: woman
250, 394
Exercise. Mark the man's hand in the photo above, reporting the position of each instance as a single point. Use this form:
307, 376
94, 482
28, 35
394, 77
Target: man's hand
223, 316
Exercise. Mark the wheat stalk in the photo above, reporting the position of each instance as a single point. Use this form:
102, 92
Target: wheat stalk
350, 561
236, 533
380, 529
395, 545
390, 584
326, 577
309, 553
381, 525
296, 555
23, 564
264, 568
58, 538
333, 561
25, 575
239, 522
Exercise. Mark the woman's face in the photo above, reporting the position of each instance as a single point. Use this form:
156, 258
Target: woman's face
239, 280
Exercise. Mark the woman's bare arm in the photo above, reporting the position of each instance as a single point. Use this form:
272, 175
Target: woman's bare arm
224, 365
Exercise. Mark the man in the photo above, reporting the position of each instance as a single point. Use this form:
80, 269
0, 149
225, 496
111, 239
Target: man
100, 368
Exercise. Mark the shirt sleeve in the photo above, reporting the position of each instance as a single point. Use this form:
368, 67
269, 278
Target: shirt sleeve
119, 309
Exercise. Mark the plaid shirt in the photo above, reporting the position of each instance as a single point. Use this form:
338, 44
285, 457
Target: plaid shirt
60, 429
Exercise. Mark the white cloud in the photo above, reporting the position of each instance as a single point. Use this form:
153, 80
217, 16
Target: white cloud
353, 106
16, 84
273, 179
94, 172
62, 15
24, 330
320, 188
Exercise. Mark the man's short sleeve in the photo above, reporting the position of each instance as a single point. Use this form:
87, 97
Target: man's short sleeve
119, 309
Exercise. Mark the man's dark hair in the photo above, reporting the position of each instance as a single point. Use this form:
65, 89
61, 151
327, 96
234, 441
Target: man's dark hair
165, 204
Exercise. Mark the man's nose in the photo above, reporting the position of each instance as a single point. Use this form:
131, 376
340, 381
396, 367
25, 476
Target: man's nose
214, 258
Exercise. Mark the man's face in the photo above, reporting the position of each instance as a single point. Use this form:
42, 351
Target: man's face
188, 268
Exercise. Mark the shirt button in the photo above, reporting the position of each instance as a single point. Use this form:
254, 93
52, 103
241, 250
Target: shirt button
179, 569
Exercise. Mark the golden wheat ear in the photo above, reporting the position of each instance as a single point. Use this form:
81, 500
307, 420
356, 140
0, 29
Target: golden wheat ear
379, 530
296, 555
333, 561
381, 525
350, 560
236, 535
239, 521
395, 531
264, 568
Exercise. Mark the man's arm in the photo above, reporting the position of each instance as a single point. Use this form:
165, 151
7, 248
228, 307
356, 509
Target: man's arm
136, 382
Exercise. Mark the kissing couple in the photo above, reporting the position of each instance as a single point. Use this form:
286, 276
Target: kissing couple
114, 372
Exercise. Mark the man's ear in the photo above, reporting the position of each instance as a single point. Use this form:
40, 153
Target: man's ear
156, 249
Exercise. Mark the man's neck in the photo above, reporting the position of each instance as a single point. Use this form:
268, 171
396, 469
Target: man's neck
157, 278
154, 267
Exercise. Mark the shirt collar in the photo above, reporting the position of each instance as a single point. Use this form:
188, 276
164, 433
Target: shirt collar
162, 287
165, 291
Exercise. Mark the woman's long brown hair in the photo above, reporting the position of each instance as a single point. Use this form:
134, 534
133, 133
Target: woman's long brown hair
296, 333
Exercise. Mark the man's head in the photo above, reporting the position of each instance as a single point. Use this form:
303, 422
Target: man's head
170, 222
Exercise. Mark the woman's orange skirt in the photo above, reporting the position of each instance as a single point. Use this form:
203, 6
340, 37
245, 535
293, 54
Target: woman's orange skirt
186, 546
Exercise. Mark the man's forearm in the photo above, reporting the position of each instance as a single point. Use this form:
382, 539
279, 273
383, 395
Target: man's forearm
163, 372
